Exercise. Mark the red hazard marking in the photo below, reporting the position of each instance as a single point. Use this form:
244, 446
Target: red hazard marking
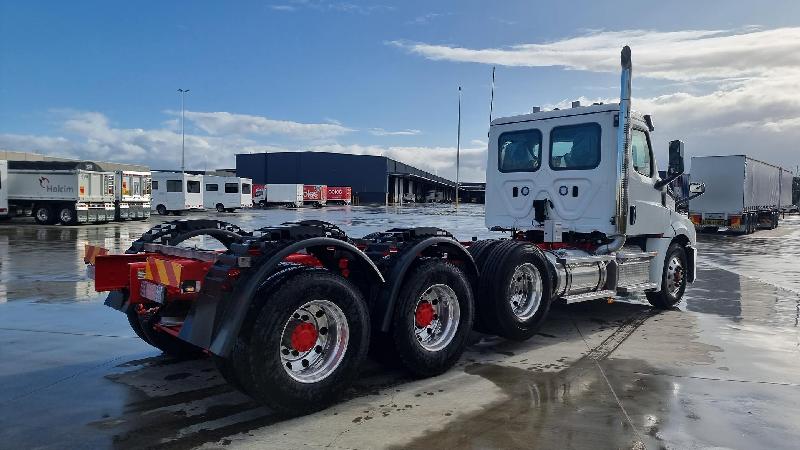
304, 337
424, 315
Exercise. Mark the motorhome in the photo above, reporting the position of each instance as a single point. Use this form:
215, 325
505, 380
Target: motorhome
176, 192
227, 193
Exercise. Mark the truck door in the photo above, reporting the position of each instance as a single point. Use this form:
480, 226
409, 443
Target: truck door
647, 213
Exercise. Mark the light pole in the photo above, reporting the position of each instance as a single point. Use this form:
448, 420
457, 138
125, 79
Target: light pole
183, 134
458, 147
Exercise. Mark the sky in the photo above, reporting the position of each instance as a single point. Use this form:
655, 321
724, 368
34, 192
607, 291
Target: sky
98, 80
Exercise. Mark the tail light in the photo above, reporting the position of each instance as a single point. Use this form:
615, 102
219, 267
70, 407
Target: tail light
736, 221
190, 286
696, 218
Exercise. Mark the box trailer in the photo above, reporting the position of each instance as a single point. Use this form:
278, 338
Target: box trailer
227, 193
340, 195
283, 195
742, 193
4, 211
131, 195
315, 194
786, 183
175, 192
69, 192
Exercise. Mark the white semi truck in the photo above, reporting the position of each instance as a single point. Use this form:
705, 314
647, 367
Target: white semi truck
176, 192
131, 195
69, 192
290, 311
743, 194
227, 193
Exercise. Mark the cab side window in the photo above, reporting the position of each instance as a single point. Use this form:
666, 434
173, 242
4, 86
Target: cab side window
640, 153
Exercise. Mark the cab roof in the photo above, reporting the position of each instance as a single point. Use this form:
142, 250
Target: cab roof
566, 112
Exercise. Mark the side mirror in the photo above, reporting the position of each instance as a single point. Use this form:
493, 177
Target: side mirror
675, 159
697, 188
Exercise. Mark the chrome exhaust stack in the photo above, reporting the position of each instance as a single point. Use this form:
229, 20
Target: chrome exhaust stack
623, 156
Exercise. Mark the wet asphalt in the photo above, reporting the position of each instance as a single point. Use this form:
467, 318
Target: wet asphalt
722, 370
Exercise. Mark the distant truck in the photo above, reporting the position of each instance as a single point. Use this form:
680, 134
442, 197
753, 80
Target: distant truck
227, 194
742, 194
69, 192
4, 212
315, 194
176, 192
278, 195
131, 195
342, 195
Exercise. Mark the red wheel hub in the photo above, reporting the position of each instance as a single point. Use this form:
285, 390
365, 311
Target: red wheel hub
423, 316
304, 336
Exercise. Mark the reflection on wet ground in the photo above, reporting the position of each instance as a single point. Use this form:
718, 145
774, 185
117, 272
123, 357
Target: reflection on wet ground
722, 371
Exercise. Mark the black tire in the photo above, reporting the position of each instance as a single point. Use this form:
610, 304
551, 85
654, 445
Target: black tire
162, 210
167, 343
136, 324
479, 251
271, 382
220, 208
498, 284
43, 214
418, 360
67, 215
664, 298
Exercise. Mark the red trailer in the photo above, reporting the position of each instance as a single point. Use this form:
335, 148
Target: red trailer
340, 194
315, 194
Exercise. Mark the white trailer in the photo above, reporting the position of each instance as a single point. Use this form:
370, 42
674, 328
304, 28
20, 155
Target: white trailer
176, 192
282, 194
742, 193
131, 195
787, 179
69, 192
4, 211
227, 193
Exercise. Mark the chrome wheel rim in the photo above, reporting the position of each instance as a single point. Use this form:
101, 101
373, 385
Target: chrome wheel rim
525, 289
436, 317
42, 214
66, 215
314, 341
674, 275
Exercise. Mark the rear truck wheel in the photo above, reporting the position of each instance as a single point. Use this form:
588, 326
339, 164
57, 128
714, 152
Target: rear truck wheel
514, 291
162, 340
162, 210
308, 343
479, 251
673, 279
220, 208
67, 215
433, 318
43, 215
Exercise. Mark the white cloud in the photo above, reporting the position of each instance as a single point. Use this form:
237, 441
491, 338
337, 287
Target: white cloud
222, 123
675, 55
91, 136
383, 132
328, 5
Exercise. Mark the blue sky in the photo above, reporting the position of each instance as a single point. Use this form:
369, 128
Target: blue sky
98, 80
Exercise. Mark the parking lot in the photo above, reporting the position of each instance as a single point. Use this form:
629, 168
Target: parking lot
722, 370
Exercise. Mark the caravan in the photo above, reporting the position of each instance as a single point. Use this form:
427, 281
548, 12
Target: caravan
227, 193
176, 192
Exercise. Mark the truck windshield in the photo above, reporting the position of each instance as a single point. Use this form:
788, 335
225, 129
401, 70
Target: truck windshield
575, 147
193, 187
520, 151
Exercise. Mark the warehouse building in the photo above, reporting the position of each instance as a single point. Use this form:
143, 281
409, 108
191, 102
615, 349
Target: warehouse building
374, 179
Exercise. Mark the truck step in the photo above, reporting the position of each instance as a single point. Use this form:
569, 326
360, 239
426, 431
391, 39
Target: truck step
589, 296
637, 288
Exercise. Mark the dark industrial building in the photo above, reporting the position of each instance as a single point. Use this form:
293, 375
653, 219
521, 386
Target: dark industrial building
374, 179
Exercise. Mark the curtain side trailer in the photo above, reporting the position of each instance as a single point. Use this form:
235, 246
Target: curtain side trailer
69, 192
742, 194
